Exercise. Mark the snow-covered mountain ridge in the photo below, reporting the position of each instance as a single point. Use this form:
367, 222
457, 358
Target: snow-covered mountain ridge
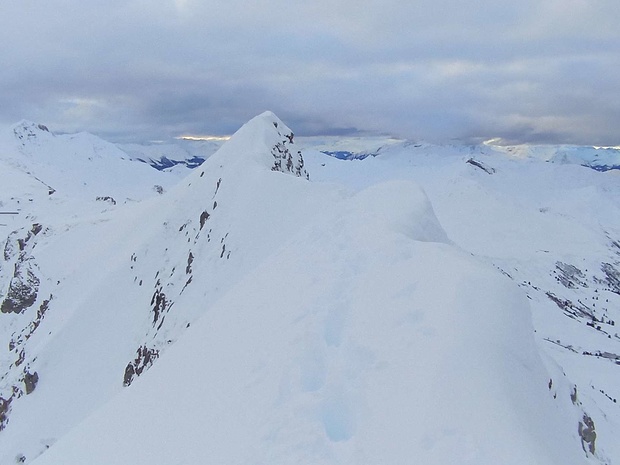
168, 155
281, 306
597, 158
150, 267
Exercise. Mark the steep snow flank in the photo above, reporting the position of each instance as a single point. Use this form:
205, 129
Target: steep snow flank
144, 273
358, 341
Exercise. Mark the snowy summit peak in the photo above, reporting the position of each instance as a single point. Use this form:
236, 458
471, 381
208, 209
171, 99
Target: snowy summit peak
265, 140
28, 131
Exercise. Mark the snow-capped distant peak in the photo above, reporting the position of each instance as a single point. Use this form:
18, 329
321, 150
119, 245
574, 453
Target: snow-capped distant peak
29, 132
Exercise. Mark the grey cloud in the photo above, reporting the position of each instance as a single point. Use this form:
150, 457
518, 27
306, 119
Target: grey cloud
532, 71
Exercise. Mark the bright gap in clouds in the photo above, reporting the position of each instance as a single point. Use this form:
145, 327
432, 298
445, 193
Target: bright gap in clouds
213, 138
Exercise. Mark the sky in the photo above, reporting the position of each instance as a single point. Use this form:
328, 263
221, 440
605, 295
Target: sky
533, 71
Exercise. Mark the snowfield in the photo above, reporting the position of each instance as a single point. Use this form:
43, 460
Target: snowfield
423, 305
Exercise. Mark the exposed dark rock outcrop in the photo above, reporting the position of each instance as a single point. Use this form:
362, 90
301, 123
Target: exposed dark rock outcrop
30, 381
190, 260
612, 277
587, 433
285, 162
23, 289
570, 308
18, 339
570, 276
144, 359
5, 408
484, 167
160, 304
15, 244
204, 216
24, 284
36, 229
106, 198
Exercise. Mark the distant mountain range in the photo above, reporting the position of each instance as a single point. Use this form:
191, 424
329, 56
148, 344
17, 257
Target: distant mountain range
598, 158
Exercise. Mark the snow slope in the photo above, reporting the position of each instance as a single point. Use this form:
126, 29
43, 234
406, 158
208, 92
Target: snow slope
62, 192
76, 164
553, 229
428, 304
358, 341
90, 322
47, 177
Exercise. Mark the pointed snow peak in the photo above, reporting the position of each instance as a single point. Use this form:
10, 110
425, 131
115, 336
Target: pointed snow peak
266, 128
267, 117
30, 124
266, 141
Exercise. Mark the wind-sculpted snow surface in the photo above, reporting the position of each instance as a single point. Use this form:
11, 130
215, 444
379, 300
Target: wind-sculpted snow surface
551, 228
366, 338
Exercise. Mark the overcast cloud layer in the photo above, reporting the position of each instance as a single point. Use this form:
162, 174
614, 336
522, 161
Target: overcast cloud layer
526, 71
